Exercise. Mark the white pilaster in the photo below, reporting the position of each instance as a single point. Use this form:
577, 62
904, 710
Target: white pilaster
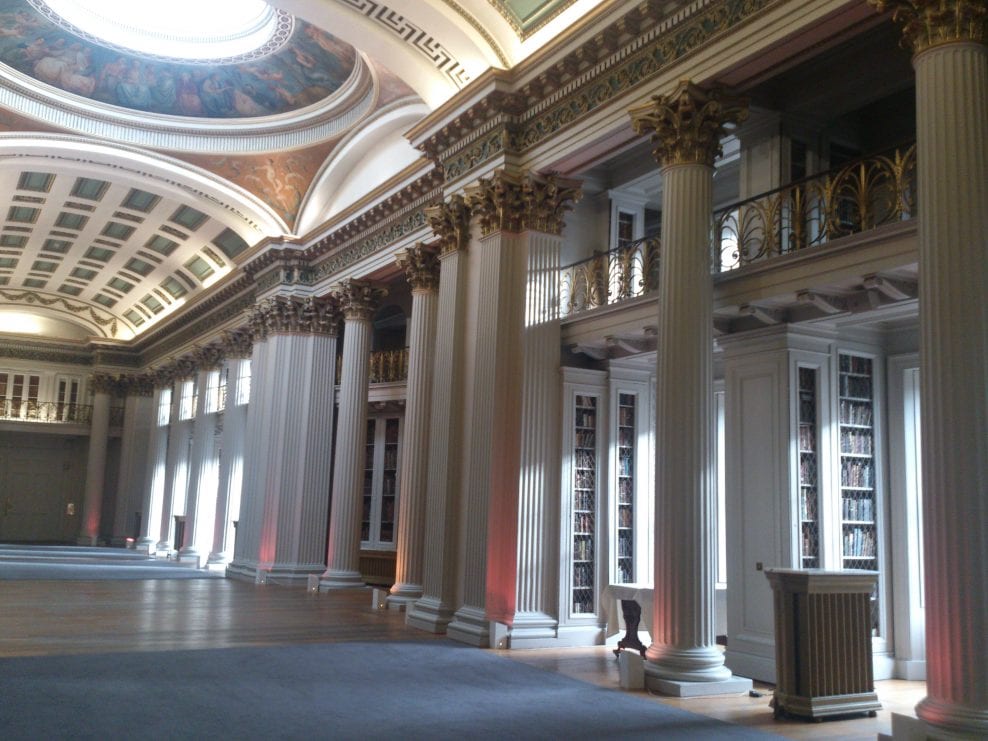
231, 468
176, 471
343, 552
200, 493
157, 461
434, 610
952, 150
92, 504
423, 276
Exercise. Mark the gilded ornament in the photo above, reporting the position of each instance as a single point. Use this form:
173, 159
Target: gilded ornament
688, 124
421, 266
498, 202
237, 343
359, 299
929, 23
546, 199
451, 223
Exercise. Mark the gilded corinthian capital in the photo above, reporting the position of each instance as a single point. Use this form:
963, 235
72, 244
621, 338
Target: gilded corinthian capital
688, 124
499, 202
421, 266
546, 199
291, 314
451, 223
928, 23
359, 299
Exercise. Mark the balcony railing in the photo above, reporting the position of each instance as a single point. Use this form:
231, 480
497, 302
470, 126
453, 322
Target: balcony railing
45, 411
608, 278
859, 196
386, 366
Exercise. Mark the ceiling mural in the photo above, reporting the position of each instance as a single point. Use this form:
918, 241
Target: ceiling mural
308, 67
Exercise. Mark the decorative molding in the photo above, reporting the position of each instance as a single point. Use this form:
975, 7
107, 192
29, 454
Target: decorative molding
543, 14
687, 125
294, 315
421, 266
479, 28
388, 235
546, 199
237, 343
450, 222
102, 319
440, 57
359, 299
929, 23
105, 383
499, 203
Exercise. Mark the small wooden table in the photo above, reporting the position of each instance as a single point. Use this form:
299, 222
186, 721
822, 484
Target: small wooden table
636, 601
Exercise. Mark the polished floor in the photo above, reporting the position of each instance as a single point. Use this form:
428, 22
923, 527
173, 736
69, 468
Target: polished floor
78, 617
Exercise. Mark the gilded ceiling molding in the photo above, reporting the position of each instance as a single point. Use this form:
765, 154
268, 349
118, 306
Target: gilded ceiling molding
359, 299
544, 13
498, 202
450, 222
546, 200
438, 55
104, 320
479, 28
421, 266
688, 124
294, 315
929, 23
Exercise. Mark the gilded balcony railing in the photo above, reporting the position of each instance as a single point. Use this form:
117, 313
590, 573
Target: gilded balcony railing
609, 277
386, 366
45, 411
856, 197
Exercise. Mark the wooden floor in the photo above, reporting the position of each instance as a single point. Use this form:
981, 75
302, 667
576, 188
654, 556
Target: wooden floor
78, 617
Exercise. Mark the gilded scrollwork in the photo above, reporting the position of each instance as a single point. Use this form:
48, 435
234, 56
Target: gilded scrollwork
687, 125
360, 299
929, 23
421, 266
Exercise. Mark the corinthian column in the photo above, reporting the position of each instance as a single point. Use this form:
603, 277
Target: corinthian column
948, 39
282, 530
434, 610
535, 520
686, 128
358, 300
92, 503
421, 266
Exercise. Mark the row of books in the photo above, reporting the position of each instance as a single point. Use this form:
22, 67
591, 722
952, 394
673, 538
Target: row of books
857, 473
862, 510
585, 459
855, 441
807, 505
859, 542
855, 364
583, 522
855, 413
583, 575
858, 387
582, 548
807, 437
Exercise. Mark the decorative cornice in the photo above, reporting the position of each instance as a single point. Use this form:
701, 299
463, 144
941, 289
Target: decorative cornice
546, 199
688, 124
498, 202
421, 266
102, 319
47, 353
293, 315
929, 23
359, 299
450, 222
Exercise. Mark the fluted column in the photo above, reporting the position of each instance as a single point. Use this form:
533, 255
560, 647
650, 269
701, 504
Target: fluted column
200, 493
440, 567
686, 128
157, 461
421, 266
92, 503
138, 422
237, 368
177, 462
358, 300
535, 581
949, 39
282, 530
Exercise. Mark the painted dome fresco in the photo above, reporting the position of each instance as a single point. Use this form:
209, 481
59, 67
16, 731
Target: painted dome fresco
256, 62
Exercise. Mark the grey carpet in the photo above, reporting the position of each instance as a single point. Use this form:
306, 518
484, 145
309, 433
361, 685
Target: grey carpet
413, 690
89, 563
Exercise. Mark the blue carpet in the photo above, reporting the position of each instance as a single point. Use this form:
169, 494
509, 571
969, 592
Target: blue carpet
407, 690
89, 563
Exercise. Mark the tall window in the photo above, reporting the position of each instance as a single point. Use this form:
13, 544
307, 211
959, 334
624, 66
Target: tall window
187, 406
215, 391
164, 406
243, 382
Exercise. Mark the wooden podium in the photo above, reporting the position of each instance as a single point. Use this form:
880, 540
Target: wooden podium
823, 655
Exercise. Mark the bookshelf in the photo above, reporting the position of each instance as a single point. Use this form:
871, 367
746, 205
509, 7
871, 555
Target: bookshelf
584, 504
626, 467
809, 469
858, 500
378, 529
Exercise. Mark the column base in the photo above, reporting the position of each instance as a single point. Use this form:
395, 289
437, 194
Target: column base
340, 580
676, 688
429, 614
189, 555
144, 545
949, 721
403, 596
471, 626
89, 540
217, 561
290, 575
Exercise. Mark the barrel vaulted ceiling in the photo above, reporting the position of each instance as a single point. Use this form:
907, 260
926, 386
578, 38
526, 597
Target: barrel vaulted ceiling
133, 180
